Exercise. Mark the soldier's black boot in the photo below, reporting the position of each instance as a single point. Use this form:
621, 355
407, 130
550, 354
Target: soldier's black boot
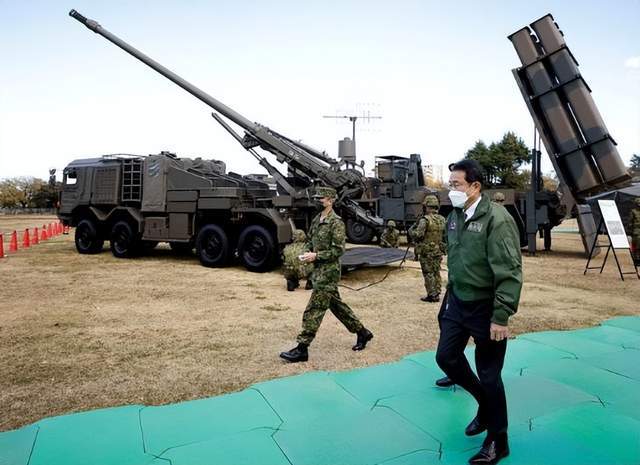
309, 285
433, 298
297, 354
292, 284
364, 336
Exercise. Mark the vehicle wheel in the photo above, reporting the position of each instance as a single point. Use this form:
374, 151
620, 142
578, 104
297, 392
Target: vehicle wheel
359, 233
124, 242
87, 239
182, 248
257, 249
212, 246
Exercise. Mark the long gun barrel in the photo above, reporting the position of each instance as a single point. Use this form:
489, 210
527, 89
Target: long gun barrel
193, 90
310, 162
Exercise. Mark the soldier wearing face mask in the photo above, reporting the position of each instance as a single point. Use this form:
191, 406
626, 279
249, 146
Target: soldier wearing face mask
485, 280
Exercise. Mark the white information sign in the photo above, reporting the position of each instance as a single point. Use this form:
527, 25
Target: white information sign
612, 221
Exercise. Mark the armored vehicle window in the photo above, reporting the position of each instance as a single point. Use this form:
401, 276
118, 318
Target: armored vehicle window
70, 178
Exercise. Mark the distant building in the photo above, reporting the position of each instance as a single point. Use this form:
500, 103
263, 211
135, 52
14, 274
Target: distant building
434, 172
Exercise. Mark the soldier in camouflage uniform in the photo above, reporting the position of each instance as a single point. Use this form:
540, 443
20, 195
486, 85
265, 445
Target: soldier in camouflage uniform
295, 269
427, 235
390, 236
498, 198
635, 232
326, 245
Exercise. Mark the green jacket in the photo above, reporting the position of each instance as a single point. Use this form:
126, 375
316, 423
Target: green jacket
484, 258
326, 238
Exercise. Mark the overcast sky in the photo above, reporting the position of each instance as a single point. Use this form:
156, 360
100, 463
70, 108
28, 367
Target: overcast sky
439, 74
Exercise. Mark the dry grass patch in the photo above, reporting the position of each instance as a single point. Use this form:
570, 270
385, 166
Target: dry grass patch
80, 332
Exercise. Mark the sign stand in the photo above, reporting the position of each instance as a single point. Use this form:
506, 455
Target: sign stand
616, 234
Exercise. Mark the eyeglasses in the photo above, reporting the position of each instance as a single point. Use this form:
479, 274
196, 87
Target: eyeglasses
455, 185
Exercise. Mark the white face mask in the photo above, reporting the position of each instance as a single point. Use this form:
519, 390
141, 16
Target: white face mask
458, 198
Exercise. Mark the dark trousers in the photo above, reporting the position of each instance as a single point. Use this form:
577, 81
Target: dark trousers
459, 320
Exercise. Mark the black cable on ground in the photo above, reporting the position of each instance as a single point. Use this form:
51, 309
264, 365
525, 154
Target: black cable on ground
404, 258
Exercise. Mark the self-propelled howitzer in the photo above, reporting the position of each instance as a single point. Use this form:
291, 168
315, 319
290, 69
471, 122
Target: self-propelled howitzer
315, 165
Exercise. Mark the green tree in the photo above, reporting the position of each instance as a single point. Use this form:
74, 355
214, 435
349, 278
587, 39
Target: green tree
501, 161
27, 192
11, 196
635, 162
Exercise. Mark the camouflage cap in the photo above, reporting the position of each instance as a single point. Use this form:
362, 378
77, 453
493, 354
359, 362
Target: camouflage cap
391, 224
321, 192
431, 201
637, 201
299, 236
498, 197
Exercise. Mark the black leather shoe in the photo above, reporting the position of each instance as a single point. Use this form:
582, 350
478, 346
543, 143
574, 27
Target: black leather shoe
475, 427
309, 285
444, 382
297, 354
491, 452
364, 336
292, 284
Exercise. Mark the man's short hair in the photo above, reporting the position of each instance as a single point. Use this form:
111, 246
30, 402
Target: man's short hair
472, 170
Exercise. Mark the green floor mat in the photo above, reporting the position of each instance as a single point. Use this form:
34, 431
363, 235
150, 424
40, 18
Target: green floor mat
107, 436
625, 363
371, 384
573, 397
543, 447
199, 420
596, 426
16, 446
631, 323
529, 397
421, 457
442, 413
368, 438
623, 338
250, 448
524, 353
607, 386
310, 398
569, 342
588, 434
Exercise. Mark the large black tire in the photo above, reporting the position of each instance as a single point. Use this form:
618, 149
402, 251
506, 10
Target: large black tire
124, 241
257, 249
359, 233
212, 246
88, 241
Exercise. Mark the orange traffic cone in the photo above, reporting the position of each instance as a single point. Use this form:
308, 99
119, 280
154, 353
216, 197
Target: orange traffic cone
49, 230
1, 245
58, 228
26, 243
35, 236
13, 243
43, 235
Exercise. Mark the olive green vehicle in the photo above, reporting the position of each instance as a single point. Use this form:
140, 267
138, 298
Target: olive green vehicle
135, 202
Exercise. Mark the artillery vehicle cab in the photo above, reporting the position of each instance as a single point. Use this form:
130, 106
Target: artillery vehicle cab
135, 202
